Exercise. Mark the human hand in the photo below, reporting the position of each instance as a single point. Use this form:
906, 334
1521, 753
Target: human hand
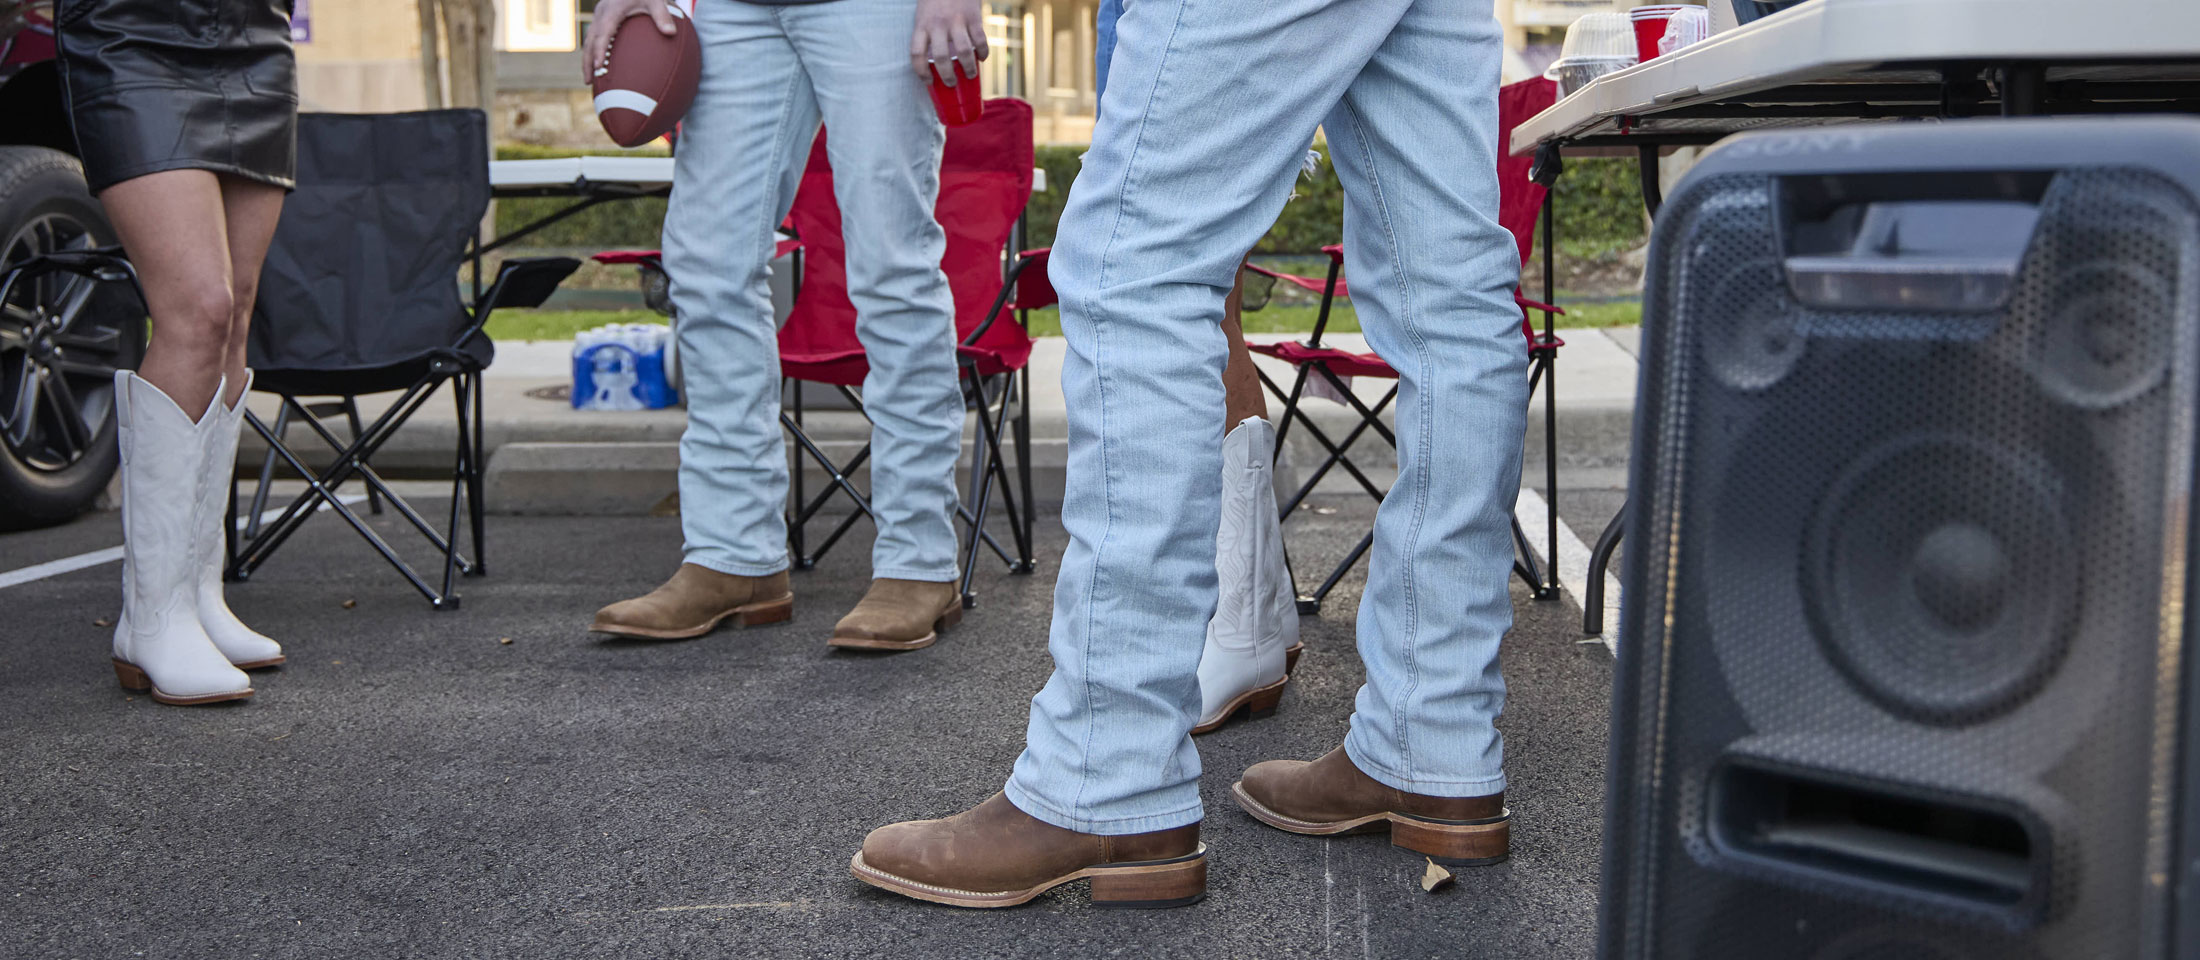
948, 30
596, 49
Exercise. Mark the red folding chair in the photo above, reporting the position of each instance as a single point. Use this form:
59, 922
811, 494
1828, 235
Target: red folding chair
985, 182
1520, 202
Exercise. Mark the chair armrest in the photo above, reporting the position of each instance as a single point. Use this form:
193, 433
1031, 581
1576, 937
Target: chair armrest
1001, 303
1527, 304
525, 282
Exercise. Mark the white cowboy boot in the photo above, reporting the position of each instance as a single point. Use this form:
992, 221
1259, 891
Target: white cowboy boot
1251, 640
159, 645
244, 647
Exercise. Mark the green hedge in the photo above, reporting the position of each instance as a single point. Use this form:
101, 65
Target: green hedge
1599, 208
609, 226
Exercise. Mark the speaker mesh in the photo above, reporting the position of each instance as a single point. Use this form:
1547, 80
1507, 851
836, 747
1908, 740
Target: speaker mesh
1903, 551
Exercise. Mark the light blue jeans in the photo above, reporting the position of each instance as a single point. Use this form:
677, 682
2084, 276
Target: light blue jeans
1207, 113
769, 74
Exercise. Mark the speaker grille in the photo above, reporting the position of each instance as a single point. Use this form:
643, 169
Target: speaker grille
1914, 555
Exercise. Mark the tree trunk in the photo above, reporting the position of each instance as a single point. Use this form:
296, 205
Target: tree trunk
431, 58
460, 26
485, 59
469, 33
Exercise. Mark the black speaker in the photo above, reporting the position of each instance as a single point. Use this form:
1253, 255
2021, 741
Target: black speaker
1903, 667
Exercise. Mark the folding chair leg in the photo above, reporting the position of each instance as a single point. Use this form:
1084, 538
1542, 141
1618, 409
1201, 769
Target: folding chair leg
1600, 560
838, 479
351, 413
460, 394
1525, 565
354, 459
476, 465
319, 492
981, 475
1548, 589
1028, 563
796, 549
267, 473
1322, 593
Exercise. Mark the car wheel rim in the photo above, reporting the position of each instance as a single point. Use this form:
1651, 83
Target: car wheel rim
60, 344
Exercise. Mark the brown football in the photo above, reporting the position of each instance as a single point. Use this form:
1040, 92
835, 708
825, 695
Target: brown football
648, 79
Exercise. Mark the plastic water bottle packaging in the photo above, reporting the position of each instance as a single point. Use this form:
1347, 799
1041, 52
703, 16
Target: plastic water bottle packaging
622, 367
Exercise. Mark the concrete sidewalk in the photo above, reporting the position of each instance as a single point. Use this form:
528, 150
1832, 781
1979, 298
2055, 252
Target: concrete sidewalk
547, 458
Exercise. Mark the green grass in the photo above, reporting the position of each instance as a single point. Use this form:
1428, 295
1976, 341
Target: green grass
559, 324
1277, 318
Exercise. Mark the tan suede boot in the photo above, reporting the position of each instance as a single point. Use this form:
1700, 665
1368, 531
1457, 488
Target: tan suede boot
1331, 796
695, 601
899, 615
994, 855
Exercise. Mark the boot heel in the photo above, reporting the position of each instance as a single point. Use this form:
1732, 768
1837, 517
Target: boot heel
776, 611
131, 678
1454, 844
1154, 884
953, 616
1265, 700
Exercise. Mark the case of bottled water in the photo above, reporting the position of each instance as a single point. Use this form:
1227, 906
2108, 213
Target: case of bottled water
622, 367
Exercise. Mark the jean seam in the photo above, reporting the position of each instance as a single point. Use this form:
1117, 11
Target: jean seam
1419, 493
1107, 490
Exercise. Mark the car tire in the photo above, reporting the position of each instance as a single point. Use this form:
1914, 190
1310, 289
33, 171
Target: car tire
59, 329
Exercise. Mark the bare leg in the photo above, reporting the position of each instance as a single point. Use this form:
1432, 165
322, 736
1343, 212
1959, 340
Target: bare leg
1242, 396
252, 208
172, 226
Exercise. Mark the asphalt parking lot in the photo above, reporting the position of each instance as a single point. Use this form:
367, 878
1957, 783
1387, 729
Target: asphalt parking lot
411, 785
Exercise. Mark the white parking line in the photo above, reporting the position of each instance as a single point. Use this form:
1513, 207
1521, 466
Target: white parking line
55, 568
1573, 565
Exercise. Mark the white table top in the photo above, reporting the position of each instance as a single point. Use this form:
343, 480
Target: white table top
648, 173
645, 172
1881, 41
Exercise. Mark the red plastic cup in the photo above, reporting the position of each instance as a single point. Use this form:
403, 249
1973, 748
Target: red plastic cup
960, 104
1650, 26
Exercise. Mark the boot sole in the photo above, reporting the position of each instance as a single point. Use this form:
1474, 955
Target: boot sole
950, 617
1146, 884
274, 661
1259, 703
135, 680
1457, 843
1252, 704
745, 615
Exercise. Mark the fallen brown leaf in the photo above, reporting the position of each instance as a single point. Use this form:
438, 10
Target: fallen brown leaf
1435, 876
507, 641
348, 604
103, 622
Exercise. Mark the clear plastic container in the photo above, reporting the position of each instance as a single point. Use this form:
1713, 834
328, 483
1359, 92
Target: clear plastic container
1692, 25
1596, 44
1600, 35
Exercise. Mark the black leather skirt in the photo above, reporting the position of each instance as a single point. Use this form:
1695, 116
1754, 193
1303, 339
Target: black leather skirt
159, 85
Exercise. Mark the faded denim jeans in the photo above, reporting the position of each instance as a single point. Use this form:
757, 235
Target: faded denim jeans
770, 73
1208, 109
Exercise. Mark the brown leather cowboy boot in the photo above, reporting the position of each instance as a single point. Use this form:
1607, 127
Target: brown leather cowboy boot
899, 615
695, 601
1331, 796
994, 855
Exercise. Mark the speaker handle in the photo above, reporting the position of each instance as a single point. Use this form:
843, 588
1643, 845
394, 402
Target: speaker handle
1923, 242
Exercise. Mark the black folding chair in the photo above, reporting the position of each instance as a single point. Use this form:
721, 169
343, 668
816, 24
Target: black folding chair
360, 295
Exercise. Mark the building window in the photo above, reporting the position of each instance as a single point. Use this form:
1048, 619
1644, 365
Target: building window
1004, 36
539, 26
